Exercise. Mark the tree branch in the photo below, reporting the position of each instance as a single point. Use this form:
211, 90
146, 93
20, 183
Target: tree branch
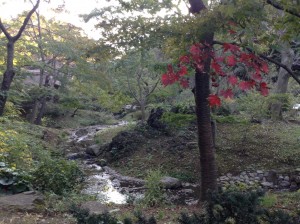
2, 27
289, 71
280, 7
26, 20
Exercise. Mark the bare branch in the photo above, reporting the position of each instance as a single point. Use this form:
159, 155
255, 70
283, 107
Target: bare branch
280, 7
26, 20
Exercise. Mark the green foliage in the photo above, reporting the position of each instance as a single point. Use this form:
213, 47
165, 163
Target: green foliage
230, 119
13, 180
57, 176
177, 120
268, 200
254, 105
84, 217
14, 150
11, 111
237, 207
154, 195
284, 99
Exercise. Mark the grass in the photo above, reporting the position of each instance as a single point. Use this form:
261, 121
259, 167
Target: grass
81, 119
105, 136
239, 147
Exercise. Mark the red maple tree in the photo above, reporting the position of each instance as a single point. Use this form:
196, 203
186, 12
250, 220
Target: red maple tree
232, 55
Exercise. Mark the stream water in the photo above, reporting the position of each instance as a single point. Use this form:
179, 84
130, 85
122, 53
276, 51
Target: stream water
110, 187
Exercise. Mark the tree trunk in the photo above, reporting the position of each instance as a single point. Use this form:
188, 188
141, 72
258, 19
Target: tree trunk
287, 57
205, 137
38, 120
10, 73
7, 76
143, 111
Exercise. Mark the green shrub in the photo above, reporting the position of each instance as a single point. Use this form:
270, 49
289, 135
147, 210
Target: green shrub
237, 207
177, 120
154, 194
83, 216
57, 176
13, 180
254, 105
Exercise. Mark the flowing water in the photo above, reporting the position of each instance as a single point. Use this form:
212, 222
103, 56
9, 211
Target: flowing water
110, 187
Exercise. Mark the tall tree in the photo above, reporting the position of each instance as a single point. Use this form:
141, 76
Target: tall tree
10, 73
202, 92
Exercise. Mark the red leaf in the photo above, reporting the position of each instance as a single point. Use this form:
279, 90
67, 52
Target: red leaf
219, 59
231, 60
165, 80
232, 80
231, 47
214, 100
184, 83
195, 49
227, 93
183, 70
215, 84
232, 32
184, 59
231, 23
216, 67
170, 69
256, 76
246, 85
265, 67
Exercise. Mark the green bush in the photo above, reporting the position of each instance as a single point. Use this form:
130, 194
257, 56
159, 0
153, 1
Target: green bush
177, 120
84, 217
254, 105
237, 207
57, 176
154, 194
13, 181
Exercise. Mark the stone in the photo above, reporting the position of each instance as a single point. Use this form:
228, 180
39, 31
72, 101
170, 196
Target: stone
229, 175
284, 184
297, 179
287, 178
74, 156
95, 207
26, 201
294, 186
267, 184
271, 176
93, 150
154, 119
171, 183
260, 172
81, 132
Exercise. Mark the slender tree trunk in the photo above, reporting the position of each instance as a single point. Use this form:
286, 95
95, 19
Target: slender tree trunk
38, 120
143, 111
8, 75
205, 137
287, 57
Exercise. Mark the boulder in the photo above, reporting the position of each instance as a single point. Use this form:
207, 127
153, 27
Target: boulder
26, 201
122, 145
93, 150
271, 176
154, 119
95, 207
171, 183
